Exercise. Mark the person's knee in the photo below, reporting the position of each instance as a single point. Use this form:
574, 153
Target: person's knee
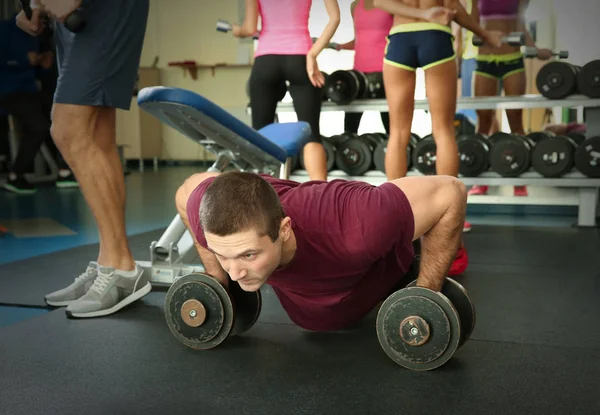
457, 194
72, 127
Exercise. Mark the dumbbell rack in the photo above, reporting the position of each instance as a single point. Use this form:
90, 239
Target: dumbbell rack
573, 189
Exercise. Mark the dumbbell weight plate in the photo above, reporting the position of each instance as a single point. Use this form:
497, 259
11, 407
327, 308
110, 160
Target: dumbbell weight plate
419, 329
510, 155
588, 80
363, 84
375, 87
199, 311
553, 157
342, 87
557, 80
587, 157
538, 136
247, 306
473, 152
424, 156
354, 156
381, 150
577, 137
459, 297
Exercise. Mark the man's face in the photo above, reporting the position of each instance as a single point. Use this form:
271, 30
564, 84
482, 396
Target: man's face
248, 258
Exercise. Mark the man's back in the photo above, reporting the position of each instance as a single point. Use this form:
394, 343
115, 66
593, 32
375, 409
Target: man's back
353, 246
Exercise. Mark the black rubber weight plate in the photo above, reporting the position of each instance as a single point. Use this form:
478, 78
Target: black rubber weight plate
247, 308
458, 296
553, 157
509, 157
587, 157
589, 79
439, 314
216, 302
473, 154
424, 156
353, 157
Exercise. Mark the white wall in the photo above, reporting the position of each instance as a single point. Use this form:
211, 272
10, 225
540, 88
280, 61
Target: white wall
578, 29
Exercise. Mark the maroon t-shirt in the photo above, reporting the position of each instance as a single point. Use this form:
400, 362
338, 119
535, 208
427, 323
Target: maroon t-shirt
354, 243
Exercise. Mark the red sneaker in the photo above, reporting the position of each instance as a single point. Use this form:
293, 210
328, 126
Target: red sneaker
478, 190
520, 191
467, 227
460, 264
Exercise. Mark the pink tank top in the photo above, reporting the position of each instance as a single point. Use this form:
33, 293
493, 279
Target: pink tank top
498, 9
284, 27
371, 28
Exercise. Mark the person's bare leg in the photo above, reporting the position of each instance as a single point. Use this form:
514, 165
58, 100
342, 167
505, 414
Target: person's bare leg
439, 206
400, 94
315, 161
441, 96
515, 85
85, 137
484, 86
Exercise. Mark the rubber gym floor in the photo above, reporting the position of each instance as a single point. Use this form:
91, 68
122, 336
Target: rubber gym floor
535, 281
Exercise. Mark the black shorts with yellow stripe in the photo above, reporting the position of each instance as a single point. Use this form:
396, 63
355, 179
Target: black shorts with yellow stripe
499, 66
419, 45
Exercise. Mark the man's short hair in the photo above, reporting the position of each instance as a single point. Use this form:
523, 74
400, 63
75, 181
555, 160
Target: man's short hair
237, 202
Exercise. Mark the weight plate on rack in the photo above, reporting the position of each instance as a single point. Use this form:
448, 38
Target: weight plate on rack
424, 156
342, 87
538, 136
473, 152
375, 89
510, 157
553, 157
353, 157
587, 157
588, 80
557, 80
577, 137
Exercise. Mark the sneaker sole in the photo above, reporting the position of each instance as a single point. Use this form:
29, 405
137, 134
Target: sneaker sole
59, 303
125, 302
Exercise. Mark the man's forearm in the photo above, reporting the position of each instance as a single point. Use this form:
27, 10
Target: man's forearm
441, 243
398, 8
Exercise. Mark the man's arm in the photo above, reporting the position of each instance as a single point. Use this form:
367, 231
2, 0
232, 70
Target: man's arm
211, 265
438, 204
333, 11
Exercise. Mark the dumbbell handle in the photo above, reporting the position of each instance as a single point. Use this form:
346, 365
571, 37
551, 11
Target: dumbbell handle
225, 27
513, 39
533, 53
73, 22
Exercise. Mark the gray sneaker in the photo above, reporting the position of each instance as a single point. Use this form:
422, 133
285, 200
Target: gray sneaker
109, 293
76, 290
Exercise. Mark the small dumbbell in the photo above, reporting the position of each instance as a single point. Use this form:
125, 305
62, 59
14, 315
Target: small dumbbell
331, 45
225, 27
533, 53
513, 39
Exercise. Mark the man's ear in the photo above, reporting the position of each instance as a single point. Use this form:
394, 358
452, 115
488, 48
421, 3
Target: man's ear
285, 229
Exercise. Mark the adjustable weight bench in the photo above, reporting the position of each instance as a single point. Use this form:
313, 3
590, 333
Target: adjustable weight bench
269, 150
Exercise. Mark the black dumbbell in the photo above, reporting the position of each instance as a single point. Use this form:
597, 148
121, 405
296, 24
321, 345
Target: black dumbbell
329, 153
533, 53
587, 157
225, 27
553, 156
473, 153
557, 80
343, 87
355, 155
588, 79
424, 155
74, 22
510, 155
201, 313
512, 39
330, 45
381, 149
421, 329
375, 87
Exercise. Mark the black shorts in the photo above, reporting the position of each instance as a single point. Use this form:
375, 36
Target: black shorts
419, 45
499, 67
99, 65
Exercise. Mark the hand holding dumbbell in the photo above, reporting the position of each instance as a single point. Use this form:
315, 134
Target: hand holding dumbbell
225, 27
544, 54
331, 45
512, 39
